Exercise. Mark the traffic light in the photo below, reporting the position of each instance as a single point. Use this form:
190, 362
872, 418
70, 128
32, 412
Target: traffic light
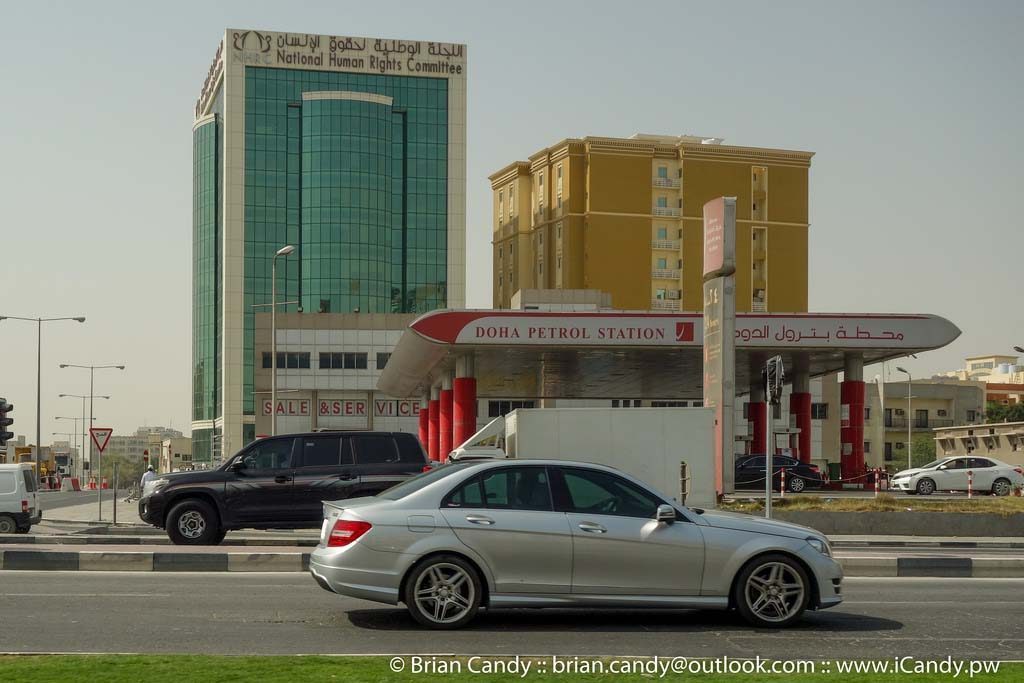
5, 422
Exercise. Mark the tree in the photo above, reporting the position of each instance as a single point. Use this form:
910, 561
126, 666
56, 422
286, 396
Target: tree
997, 412
923, 450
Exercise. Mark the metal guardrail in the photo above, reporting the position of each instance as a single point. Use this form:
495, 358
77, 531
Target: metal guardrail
900, 422
666, 273
667, 182
666, 211
665, 244
666, 304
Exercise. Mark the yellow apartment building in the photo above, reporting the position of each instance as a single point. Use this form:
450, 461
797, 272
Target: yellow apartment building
624, 216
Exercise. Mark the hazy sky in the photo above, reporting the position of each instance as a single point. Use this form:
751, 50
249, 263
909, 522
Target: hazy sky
912, 108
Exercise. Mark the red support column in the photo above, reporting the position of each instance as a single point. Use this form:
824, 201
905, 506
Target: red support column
851, 429
433, 429
800, 409
758, 419
464, 409
445, 425
424, 435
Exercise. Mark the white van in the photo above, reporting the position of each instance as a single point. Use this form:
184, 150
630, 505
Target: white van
19, 501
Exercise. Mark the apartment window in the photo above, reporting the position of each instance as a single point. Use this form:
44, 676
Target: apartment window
511, 201
540, 267
679, 263
558, 200
662, 265
669, 404
558, 263
867, 446
344, 361
662, 233
558, 185
540, 236
867, 413
540, 179
888, 451
502, 408
558, 229
697, 404
499, 279
291, 360
626, 403
662, 202
499, 253
663, 171
501, 207
659, 294
680, 233
819, 411
972, 415
382, 360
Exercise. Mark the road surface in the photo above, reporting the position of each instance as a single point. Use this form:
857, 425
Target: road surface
234, 613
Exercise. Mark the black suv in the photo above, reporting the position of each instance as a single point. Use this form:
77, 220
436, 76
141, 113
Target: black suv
279, 483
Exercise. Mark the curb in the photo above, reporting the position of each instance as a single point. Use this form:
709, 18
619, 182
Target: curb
72, 539
129, 561
927, 544
98, 560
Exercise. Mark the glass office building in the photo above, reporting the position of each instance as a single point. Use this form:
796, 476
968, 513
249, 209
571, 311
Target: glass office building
352, 150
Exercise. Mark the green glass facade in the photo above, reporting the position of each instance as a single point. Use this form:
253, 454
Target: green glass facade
359, 187
205, 274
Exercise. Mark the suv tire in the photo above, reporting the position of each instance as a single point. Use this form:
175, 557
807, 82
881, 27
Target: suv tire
193, 522
449, 592
7, 524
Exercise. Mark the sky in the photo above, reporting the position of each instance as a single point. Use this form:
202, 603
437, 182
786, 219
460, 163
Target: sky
911, 108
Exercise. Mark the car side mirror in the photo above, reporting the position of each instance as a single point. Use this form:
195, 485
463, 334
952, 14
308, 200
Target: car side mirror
666, 514
943, 467
238, 465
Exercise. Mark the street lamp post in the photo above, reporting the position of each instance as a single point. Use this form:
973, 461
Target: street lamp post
283, 251
85, 435
92, 373
39, 375
910, 443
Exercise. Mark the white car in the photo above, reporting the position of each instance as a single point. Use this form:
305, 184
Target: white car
950, 474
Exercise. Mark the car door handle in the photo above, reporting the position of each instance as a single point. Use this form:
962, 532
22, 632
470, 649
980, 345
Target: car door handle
591, 527
282, 479
479, 519
346, 476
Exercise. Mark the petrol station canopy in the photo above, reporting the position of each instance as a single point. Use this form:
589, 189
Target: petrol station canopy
622, 354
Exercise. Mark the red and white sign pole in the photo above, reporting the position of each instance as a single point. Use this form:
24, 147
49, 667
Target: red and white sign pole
100, 438
878, 479
970, 483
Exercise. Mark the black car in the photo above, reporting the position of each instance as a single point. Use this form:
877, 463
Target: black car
799, 475
279, 483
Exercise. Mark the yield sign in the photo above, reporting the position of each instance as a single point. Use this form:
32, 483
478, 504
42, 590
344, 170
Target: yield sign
100, 436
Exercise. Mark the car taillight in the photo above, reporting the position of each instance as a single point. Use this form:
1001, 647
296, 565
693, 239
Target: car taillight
427, 468
24, 506
346, 531
1018, 470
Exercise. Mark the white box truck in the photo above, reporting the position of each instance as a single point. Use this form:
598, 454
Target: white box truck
660, 446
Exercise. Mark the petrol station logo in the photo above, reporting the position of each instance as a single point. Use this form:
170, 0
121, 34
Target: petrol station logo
684, 331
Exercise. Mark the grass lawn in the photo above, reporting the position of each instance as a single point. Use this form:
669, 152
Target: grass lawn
1006, 505
180, 668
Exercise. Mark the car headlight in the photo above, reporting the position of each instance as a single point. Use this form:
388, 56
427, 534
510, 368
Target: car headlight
154, 485
821, 545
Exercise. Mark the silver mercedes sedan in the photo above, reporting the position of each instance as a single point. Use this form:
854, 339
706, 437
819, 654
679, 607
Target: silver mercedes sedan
541, 533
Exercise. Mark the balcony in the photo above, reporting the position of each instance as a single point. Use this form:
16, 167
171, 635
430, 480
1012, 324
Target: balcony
672, 245
666, 273
758, 306
666, 304
917, 424
667, 211
666, 182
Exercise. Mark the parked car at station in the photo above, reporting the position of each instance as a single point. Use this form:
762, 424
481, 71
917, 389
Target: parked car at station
988, 475
279, 483
19, 500
552, 533
800, 476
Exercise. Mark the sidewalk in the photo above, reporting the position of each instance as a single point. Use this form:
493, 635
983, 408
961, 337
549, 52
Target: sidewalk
127, 513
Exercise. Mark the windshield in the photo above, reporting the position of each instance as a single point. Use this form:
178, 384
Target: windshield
933, 463
420, 481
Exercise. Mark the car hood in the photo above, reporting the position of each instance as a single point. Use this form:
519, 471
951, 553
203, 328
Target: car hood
910, 472
738, 521
196, 477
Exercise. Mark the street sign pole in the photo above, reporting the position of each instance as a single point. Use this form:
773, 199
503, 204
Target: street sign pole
100, 439
774, 378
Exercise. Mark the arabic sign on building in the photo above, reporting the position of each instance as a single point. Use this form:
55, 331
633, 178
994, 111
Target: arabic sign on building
783, 331
346, 53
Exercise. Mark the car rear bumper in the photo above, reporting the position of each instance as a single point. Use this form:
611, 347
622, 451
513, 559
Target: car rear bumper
24, 519
358, 572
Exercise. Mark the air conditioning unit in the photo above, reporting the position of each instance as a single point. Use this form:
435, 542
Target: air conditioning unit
674, 294
899, 447
941, 412
899, 411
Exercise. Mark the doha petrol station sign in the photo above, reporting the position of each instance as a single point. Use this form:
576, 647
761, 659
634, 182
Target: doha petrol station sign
719, 336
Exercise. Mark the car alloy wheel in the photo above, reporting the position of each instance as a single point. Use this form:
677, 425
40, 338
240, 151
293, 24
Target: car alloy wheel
797, 484
191, 524
1001, 487
445, 593
926, 487
775, 592
7, 525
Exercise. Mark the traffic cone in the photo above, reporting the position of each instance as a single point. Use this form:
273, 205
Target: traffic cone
105, 484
